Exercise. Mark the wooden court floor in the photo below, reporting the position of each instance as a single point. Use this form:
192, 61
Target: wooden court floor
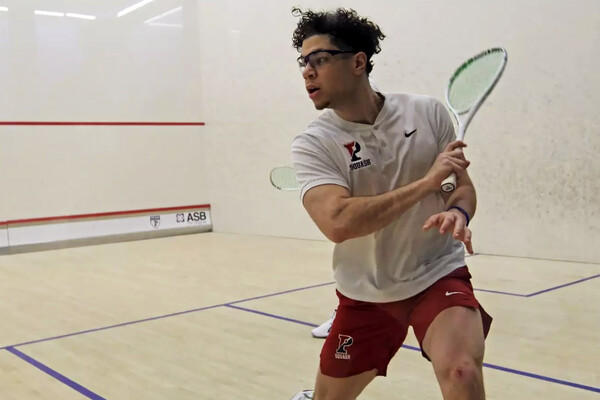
228, 317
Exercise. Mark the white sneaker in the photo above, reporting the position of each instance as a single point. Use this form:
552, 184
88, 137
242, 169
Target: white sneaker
304, 395
322, 330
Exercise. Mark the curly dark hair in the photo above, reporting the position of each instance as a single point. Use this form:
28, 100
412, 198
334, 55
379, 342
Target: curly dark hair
347, 30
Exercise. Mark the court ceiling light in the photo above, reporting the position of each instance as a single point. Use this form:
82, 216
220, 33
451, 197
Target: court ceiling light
81, 16
49, 13
164, 15
133, 7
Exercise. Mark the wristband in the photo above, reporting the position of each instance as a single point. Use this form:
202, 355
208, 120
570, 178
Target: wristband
462, 211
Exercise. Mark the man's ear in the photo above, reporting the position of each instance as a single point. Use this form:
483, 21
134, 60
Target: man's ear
360, 63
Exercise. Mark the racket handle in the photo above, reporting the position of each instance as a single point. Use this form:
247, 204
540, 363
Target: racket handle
449, 184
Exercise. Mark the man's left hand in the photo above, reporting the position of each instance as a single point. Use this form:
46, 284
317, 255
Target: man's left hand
451, 221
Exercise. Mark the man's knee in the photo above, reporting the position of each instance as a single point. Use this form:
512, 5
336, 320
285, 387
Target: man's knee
460, 371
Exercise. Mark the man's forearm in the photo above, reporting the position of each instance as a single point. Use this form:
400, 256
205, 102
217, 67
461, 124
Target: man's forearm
360, 216
464, 197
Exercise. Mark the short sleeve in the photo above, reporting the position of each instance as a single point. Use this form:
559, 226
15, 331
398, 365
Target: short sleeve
444, 128
314, 165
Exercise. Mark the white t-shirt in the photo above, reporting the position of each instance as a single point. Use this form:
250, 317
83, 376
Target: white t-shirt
400, 260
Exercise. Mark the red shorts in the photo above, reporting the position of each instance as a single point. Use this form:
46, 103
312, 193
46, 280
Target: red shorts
367, 335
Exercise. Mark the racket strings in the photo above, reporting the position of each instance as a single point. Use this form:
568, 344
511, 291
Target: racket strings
474, 80
284, 178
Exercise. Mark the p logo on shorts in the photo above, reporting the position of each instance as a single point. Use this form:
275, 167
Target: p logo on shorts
344, 342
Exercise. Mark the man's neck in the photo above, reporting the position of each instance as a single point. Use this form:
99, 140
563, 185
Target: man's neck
363, 107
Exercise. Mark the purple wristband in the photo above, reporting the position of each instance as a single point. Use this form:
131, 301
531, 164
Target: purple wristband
462, 211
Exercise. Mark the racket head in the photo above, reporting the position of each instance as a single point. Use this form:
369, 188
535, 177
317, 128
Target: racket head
473, 81
284, 178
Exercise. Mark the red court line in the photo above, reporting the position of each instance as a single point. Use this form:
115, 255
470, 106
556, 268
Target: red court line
97, 215
83, 123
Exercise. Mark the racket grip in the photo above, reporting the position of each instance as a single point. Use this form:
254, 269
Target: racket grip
449, 184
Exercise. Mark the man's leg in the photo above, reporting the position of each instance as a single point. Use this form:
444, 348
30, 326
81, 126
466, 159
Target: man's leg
451, 327
455, 344
328, 388
362, 341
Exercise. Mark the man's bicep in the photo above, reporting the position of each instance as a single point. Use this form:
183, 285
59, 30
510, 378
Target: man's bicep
324, 204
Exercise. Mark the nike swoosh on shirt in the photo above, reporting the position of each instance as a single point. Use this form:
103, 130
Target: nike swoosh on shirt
409, 134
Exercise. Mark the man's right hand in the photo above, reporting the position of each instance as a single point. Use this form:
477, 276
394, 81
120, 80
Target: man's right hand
452, 159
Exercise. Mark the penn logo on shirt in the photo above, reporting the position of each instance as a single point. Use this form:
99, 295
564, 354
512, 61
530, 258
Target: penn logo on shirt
357, 162
353, 148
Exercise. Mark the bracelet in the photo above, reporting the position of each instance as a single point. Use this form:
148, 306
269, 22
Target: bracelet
462, 211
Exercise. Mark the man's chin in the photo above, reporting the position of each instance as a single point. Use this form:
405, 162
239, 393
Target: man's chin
321, 106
